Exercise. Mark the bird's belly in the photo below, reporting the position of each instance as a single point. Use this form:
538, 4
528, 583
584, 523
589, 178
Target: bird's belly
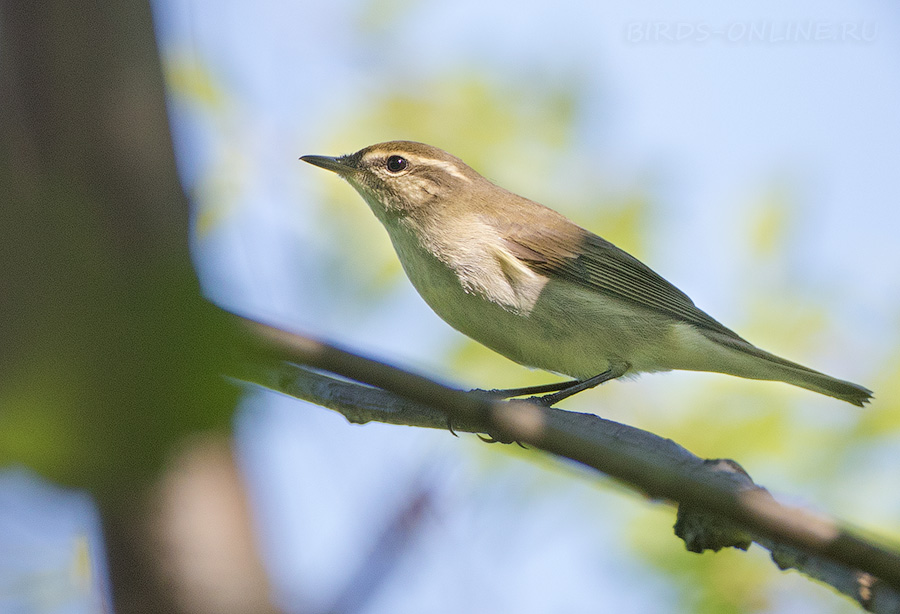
568, 329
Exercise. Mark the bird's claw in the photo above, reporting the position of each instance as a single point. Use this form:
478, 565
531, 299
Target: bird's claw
492, 439
450, 426
546, 400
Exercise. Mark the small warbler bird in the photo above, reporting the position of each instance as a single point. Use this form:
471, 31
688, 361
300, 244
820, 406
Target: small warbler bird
533, 286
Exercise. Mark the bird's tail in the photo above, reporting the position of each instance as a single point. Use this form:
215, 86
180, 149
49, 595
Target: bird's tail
775, 368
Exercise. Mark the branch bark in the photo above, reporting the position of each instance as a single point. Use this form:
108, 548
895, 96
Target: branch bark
719, 505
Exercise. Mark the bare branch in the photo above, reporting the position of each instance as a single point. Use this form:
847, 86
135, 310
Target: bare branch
718, 503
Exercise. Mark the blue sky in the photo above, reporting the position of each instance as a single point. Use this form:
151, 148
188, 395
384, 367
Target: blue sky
718, 118
707, 110
714, 106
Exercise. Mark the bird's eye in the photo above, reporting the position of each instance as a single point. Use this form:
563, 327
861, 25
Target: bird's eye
395, 164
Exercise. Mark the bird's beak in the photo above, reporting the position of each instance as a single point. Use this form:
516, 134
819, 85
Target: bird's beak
338, 165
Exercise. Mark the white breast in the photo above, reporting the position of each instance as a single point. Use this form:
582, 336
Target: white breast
492, 297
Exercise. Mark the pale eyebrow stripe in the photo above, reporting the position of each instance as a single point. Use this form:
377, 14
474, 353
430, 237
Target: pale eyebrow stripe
441, 164
444, 165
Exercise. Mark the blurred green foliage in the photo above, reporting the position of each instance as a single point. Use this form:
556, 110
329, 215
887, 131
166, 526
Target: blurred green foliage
196, 86
110, 353
524, 138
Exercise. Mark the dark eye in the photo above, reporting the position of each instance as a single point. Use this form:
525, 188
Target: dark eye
395, 164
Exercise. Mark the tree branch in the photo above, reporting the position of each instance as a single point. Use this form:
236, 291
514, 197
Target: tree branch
718, 503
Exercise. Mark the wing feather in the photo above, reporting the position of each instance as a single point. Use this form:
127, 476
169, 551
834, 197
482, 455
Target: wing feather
583, 258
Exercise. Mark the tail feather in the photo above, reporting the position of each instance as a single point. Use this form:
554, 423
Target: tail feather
827, 385
780, 369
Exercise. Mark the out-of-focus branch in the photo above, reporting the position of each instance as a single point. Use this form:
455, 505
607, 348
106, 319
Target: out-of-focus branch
719, 505
201, 532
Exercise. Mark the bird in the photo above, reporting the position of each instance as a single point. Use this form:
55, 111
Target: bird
528, 283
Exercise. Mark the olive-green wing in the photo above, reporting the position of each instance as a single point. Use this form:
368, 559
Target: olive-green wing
581, 257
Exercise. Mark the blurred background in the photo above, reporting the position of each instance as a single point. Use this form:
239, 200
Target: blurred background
150, 159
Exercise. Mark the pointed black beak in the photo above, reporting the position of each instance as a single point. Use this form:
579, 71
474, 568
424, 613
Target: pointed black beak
338, 165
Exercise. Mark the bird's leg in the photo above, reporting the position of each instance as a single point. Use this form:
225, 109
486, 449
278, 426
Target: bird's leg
508, 393
614, 371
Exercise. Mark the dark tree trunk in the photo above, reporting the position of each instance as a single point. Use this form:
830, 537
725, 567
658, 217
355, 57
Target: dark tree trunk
104, 333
